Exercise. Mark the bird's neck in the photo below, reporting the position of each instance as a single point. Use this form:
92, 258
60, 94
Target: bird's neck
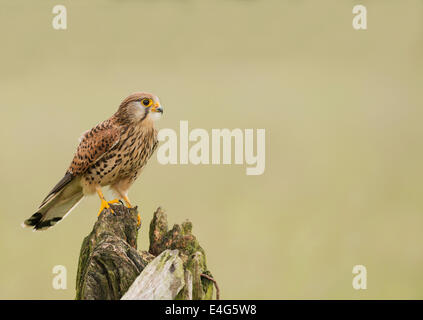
147, 123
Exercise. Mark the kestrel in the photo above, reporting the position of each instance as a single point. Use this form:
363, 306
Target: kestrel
113, 153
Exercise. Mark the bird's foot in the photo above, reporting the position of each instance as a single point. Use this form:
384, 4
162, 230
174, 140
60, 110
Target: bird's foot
106, 205
138, 220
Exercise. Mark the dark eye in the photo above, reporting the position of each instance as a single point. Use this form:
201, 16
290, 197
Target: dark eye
146, 102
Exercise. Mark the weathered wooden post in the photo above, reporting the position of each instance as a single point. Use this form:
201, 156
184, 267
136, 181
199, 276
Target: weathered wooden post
111, 267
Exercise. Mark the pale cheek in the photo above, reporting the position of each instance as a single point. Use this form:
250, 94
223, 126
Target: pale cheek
136, 111
155, 115
139, 113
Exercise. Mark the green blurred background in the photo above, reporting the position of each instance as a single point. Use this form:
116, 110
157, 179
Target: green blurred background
342, 111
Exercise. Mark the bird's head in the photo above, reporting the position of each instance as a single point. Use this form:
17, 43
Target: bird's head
140, 106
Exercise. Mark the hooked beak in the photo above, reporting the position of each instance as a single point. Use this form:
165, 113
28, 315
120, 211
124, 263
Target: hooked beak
157, 108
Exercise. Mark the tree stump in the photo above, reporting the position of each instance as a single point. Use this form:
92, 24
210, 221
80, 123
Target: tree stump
110, 266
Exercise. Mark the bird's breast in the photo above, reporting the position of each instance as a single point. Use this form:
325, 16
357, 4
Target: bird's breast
126, 159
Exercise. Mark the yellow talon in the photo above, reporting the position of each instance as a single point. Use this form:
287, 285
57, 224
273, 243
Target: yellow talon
105, 204
129, 205
138, 220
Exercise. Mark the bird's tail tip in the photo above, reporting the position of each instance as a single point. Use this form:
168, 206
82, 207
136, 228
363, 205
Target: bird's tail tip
23, 225
32, 221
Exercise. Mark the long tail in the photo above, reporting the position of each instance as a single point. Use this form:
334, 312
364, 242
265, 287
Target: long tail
65, 196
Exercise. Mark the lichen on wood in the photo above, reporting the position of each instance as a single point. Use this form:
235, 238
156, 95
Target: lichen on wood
109, 263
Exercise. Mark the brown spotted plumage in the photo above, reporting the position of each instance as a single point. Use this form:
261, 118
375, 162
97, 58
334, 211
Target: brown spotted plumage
113, 153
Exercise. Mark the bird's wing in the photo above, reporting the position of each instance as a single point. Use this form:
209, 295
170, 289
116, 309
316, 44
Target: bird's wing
94, 145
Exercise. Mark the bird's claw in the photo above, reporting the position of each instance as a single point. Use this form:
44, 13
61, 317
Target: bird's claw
138, 220
106, 205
